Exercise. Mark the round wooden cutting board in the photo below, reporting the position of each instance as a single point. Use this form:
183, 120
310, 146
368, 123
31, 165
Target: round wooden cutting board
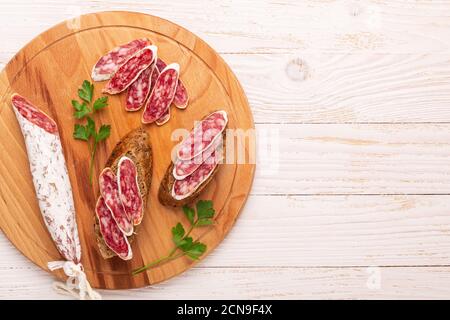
48, 71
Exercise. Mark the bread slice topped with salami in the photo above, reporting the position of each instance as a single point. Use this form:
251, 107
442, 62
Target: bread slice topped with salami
197, 160
124, 185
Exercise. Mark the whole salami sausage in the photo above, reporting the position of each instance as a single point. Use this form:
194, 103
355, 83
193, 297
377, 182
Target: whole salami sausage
53, 192
109, 190
162, 94
203, 135
139, 90
108, 64
112, 235
130, 70
181, 98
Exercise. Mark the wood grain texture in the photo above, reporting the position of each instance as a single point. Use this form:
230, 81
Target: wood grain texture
63, 55
366, 61
302, 87
353, 159
379, 26
249, 283
362, 61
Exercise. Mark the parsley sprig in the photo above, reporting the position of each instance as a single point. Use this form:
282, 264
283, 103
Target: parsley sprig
88, 132
185, 245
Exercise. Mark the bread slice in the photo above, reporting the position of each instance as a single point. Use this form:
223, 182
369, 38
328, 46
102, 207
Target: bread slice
165, 189
135, 145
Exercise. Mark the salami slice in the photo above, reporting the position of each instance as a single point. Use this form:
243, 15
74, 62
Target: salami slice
155, 76
181, 98
32, 114
184, 168
107, 65
130, 70
160, 64
184, 188
139, 90
130, 196
50, 176
112, 235
109, 190
162, 94
164, 118
203, 135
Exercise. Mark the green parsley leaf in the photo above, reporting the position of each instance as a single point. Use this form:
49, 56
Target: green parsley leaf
189, 213
81, 113
204, 222
100, 103
196, 250
178, 234
182, 239
80, 132
186, 244
77, 105
86, 91
103, 133
205, 209
90, 127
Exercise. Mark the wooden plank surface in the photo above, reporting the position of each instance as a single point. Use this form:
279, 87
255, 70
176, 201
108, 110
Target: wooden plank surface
353, 159
360, 91
250, 283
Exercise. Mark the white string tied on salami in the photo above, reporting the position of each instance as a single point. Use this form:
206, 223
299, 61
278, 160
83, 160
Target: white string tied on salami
76, 284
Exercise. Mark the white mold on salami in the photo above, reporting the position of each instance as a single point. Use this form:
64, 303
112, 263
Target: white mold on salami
162, 94
108, 64
184, 168
181, 98
203, 135
127, 179
131, 70
139, 90
112, 235
109, 190
182, 189
50, 176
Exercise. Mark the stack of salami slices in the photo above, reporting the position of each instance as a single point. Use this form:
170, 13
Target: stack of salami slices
196, 162
150, 83
124, 184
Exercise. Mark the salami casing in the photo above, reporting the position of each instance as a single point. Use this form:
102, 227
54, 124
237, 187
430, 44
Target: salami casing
107, 65
139, 90
131, 70
184, 168
184, 188
127, 177
181, 98
109, 190
203, 135
53, 192
162, 94
50, 176
112, 235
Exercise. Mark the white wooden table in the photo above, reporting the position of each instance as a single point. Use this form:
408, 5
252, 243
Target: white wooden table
359, 92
